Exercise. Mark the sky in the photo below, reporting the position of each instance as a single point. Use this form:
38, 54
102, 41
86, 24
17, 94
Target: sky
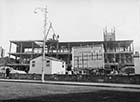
72, 20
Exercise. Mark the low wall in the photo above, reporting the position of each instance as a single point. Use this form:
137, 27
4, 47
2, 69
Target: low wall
131, 79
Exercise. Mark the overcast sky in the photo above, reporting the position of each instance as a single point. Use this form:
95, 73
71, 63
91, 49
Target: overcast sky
73, 20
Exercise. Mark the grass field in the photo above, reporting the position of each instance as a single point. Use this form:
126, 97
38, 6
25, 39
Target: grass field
99, 96
27, 92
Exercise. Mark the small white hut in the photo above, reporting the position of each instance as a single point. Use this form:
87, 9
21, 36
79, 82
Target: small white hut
51, 66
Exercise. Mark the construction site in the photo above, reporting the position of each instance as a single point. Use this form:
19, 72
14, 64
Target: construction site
109, 56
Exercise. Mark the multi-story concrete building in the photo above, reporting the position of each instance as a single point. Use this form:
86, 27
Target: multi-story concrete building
117, 53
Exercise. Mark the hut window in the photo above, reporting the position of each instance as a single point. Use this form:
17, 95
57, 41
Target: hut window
48, 63
63, 65
33, 63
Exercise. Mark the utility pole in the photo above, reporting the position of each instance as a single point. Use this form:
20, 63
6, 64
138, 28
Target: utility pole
44, 10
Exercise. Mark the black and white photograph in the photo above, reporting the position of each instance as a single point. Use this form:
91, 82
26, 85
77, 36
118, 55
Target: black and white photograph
70, 50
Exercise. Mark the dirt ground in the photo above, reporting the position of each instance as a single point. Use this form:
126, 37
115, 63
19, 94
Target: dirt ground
32, 92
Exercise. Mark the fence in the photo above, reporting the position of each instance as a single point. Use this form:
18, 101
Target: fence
131, 79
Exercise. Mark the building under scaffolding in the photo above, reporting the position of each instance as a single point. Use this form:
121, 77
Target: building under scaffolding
117, 53
87, 58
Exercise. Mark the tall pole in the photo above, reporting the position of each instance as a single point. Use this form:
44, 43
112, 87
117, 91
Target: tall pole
44, 10
44, 42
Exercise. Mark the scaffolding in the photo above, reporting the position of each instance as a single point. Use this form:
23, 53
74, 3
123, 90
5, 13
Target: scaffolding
117, 54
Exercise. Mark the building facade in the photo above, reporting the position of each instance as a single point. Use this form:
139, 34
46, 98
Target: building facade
88, 57
115, 54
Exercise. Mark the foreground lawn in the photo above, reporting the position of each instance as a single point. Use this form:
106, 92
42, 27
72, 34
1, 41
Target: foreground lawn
27, 92
99, 96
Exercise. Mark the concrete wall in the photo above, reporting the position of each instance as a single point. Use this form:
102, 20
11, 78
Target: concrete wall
50, 66
38, 66
132, 79
57, 67
137, 65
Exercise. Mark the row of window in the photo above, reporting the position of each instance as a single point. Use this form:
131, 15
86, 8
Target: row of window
47, 64
86, 58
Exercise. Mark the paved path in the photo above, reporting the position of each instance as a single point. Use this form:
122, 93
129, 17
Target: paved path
131, 86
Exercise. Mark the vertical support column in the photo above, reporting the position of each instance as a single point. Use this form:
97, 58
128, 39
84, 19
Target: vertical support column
114, 57
119, 55
123, 58
69, 52
32, 50
78, 62
20, 53
21, 48
87, 60
48, 48
57, 47
132, 53
102, 54
16, 58
132, 47
106, 55
52, 48
10, 49
32, 47
82, 60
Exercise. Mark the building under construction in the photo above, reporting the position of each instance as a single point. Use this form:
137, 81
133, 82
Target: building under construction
117, 54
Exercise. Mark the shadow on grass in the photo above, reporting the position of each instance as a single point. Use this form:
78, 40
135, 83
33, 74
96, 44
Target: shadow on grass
99, 96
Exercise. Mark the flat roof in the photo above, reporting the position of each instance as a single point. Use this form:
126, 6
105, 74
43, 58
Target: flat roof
49, 58
28, 43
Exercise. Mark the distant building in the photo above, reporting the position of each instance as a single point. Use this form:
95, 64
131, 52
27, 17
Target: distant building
51, 66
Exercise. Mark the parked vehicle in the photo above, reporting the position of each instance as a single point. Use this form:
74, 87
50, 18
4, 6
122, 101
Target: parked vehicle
3, 70
129, 70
